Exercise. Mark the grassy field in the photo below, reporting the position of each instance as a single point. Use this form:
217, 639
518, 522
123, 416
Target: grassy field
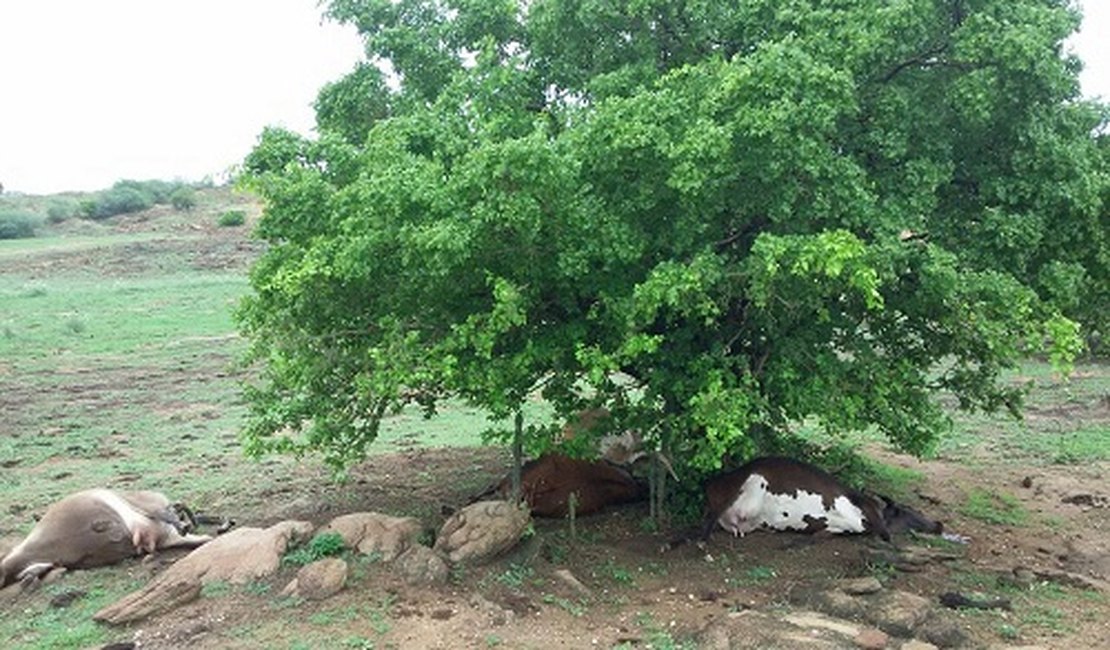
117, 369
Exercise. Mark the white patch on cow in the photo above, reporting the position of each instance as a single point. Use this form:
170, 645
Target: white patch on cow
756, 507
131, 517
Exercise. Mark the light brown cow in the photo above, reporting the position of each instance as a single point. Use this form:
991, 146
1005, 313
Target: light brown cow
96, 528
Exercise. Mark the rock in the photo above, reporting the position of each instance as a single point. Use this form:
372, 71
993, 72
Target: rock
1070, 579
871, 639
240, 556
898, 612
569, 579
481, 531
67, 597
375, 533
816, 621
754, 630
494, 613
836, 603
860, 586
914, 644
421, 566
943, 632
318, 580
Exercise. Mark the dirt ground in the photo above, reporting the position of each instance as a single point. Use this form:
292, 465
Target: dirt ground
637, 596
643, 597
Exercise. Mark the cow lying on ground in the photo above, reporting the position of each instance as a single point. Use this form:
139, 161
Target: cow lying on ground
96, 528
547, 483
784, 494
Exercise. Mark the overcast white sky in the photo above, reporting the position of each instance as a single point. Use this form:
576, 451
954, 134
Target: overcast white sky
92, 91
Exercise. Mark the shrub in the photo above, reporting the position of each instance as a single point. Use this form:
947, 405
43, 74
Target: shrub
183, 198
16, 224
319, 547
120, 200
233, 218
61, 209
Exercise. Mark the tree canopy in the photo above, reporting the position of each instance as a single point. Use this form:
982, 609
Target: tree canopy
718, 218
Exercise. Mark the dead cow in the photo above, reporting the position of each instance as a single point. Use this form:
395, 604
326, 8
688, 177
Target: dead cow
96, 528
548, 482
785, 494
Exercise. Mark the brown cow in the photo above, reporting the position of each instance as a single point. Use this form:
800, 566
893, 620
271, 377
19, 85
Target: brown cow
96, 528
548, 482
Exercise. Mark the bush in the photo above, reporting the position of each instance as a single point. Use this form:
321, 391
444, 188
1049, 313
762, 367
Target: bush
183, 198
119, 200
233, 218
17, 225
61, 209
319, 547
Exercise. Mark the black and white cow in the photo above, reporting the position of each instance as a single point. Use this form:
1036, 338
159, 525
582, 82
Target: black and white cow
785, 494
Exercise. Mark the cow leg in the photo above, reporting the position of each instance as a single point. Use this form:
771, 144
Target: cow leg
34, 571
175, 539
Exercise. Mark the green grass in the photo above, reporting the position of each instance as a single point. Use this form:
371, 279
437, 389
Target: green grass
1061, 424
996, 508
40, 626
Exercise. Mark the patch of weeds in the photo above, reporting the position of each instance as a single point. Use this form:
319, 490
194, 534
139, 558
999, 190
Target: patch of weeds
575, 609
333, 616
378, 615
662, 640
456, 575
515, 575
1081, 446
617, 573
759, 574
288, 602
360, 562
555, 550
215, 589
996, 508
1055, 523
657, 569
1007, 631
358, 643
1046, 618
319, 547
657, 637
256, 588
492, 641
74, 325
649, 525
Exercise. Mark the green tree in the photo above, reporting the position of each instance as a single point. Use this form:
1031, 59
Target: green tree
719, 219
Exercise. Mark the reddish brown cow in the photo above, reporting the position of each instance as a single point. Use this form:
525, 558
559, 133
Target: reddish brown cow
548, 482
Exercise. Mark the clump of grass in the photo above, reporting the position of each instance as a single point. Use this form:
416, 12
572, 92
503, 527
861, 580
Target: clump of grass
74, 325
996, 508
515, 575
319, 547
231, 218
574, 608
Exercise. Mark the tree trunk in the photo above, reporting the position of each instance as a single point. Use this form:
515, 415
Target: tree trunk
518, 454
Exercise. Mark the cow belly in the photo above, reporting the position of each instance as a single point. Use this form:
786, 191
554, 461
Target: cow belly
755, 507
